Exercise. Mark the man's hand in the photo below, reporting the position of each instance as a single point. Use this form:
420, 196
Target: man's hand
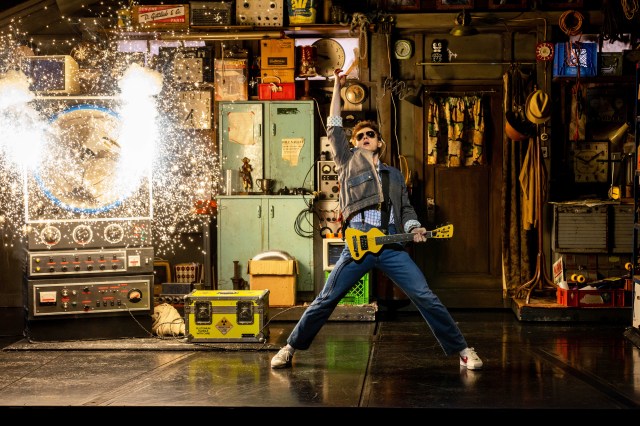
419, 235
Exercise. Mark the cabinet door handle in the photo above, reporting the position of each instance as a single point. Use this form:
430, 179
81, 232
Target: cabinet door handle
259, 212
273, 129
273, 212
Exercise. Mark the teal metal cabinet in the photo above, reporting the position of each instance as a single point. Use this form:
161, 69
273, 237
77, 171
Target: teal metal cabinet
278, 138
249, 225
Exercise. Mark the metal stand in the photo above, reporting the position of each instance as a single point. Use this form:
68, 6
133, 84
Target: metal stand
540, 280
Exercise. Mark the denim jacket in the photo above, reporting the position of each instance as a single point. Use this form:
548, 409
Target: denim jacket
360, 187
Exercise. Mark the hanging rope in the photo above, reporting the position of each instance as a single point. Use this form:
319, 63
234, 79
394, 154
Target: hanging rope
570, 22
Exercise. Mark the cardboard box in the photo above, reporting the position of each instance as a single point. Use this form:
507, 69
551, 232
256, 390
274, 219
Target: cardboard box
277, 276
171, 16
231, 80
227, 315
285, 75
277, 53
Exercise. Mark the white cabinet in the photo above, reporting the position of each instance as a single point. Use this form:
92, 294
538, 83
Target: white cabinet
249, 225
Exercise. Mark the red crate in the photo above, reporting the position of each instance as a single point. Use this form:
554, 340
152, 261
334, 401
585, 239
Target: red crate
591, 298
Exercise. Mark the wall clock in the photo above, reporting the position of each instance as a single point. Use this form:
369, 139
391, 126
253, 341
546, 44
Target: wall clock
403, 49
544, 51
330, 56
354, 93
591, 162
194, 109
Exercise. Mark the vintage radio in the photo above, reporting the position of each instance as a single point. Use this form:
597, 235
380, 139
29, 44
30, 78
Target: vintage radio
260, 13
210, 13
227, 315
52, 74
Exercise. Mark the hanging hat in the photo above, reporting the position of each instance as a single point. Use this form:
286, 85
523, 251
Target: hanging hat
538, 108
517, 128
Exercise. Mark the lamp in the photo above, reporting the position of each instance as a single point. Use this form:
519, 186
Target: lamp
463, 25
307, 56
416, 97
617, 135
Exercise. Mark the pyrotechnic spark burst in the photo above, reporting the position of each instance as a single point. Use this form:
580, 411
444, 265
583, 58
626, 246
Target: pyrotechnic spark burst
181, 165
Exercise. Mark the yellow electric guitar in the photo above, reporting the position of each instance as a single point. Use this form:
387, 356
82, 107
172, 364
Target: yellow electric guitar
361, 243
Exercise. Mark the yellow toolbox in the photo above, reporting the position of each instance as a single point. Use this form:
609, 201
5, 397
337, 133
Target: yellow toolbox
227, 316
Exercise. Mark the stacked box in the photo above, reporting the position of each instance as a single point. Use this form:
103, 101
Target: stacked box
231, 80
227, 315
359, 293
277, 60
279, 277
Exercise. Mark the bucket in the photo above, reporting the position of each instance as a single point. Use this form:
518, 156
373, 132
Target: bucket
302, 11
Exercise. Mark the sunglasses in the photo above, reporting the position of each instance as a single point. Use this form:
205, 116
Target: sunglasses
369, 133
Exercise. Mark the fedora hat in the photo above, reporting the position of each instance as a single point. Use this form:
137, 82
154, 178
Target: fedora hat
538, 108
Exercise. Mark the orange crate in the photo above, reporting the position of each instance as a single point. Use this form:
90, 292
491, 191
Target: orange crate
591, 298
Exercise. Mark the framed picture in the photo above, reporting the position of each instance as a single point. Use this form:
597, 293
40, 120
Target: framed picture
561, 4
403, 4
453, 4
508, 4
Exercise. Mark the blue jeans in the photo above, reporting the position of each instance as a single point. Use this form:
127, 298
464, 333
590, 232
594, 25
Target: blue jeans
396, 263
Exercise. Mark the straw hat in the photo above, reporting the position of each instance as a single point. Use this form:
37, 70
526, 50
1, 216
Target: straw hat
538, 107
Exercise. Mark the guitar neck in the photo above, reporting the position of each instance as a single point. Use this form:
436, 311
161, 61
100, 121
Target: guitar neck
398, 238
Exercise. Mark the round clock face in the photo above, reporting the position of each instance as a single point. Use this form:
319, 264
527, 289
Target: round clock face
403, 49
591, 162
79, 164
355, 93
330, 56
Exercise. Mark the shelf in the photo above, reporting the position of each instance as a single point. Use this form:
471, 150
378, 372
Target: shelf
230, 32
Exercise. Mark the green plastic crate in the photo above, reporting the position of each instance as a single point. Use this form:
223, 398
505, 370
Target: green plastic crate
359, 293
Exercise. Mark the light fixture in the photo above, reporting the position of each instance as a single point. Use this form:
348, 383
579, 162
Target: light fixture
463, 25
415, 98
618, 134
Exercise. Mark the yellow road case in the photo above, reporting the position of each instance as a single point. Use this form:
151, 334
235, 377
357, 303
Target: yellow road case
227, 315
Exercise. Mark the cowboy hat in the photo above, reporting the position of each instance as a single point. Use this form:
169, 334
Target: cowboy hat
538, 107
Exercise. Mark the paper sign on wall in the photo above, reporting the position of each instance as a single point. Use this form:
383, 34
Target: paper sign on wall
291, 148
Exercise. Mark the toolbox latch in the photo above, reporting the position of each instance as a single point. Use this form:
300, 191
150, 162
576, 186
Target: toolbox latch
244, 312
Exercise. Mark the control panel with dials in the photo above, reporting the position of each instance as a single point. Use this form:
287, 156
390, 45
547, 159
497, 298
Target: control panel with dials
87, 262
95, 234
328, 180
53, 297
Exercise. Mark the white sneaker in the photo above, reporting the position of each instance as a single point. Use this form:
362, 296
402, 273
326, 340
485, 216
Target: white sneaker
282, 359
470, 359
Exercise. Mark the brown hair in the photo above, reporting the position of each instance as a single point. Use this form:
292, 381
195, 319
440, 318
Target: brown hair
361, 125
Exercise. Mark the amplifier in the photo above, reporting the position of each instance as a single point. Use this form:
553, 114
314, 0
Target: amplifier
328, 187
210, 13
260, 13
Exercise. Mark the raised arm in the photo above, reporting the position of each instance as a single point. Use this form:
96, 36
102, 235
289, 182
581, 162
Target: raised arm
335, 109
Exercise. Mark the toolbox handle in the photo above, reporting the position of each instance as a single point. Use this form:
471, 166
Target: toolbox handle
227, 292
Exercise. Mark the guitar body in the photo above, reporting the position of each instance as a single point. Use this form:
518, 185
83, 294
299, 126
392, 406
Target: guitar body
372, 241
